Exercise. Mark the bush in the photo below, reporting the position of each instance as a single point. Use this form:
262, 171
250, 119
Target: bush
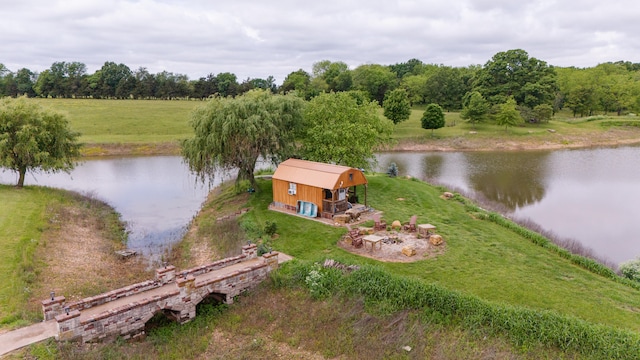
270, 228
392, 170
631, 269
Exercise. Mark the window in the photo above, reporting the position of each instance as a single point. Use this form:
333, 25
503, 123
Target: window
342, 194
292, 189
351, 177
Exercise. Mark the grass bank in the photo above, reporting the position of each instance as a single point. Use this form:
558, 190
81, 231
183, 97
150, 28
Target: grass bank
55, 240
562, 132
153, 127
22, 221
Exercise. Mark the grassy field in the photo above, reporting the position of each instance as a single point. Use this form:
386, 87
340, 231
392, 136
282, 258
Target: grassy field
154, 127
126, 121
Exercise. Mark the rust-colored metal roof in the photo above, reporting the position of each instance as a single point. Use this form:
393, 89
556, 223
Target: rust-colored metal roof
326, 176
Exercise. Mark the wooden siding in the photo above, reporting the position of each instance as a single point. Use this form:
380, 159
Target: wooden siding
303, 192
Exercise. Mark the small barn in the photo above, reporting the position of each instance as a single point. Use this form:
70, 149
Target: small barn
316, 189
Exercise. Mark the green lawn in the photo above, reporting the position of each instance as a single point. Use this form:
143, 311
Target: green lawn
482, 258
22, 220
126, 121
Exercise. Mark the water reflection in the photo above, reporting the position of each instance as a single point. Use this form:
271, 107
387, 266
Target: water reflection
513, 179
433, 165
588, 195
157, 196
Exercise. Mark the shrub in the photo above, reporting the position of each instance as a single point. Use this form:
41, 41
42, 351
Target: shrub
392, 170
631, 269
264, 247
270, 228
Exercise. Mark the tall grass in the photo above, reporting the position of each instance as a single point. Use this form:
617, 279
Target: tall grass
523, 327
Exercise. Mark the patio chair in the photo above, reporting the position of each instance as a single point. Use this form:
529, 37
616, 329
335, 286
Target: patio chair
356, 238
378, 224
411, 226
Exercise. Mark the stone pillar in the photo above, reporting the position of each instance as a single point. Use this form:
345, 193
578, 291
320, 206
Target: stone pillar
53, 307
69, 326
166, 274
271, 259
250, 251
186, 306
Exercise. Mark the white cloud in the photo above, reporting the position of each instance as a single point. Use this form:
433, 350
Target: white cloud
254, 38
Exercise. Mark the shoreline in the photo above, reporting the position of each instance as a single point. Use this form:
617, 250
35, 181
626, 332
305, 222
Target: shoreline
458, 144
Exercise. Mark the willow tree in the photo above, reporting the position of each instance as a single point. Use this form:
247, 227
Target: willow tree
34, 139
232, 133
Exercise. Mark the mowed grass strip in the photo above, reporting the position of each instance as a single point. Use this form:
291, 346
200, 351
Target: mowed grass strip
481, 257
22, 220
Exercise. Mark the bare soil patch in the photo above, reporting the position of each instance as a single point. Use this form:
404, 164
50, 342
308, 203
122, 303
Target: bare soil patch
78, 254
611, 137
390, 249
121, 149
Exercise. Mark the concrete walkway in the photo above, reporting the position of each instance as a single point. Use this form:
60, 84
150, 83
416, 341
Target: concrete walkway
13, 340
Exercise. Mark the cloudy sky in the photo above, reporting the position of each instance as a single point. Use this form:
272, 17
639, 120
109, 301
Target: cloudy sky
258, 38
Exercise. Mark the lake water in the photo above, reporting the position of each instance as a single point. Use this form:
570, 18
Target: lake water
588, 195
157, 196
592, 196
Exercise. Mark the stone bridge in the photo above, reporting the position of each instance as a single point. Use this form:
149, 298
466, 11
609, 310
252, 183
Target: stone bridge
125, 311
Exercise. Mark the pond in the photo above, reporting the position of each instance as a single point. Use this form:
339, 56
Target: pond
587, 195
157, 196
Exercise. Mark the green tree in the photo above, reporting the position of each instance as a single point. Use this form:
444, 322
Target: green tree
232, 133
345, 129
396, 105
446, 86
513, 73
106, 81
508, 114
543, 113
411, 67
432, 118
336, 75
33, 139
227, 84
476, 108
25, 80
375, 80
298, 81
415, 85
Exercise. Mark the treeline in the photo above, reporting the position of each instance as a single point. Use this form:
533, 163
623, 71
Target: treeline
605, 88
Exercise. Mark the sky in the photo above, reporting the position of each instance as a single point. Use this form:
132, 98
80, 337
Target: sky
259, 38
